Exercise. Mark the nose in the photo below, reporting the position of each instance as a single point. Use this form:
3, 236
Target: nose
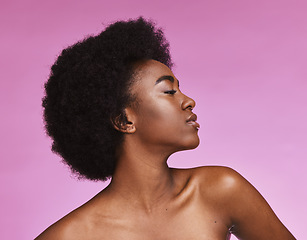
188, 103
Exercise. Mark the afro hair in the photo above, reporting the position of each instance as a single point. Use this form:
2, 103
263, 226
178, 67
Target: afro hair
89, 85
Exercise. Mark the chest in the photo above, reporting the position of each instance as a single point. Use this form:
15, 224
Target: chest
190, 224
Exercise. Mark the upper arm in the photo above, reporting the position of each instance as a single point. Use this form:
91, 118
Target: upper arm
251, 215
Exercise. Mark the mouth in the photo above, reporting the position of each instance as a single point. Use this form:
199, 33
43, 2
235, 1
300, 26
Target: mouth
192, 121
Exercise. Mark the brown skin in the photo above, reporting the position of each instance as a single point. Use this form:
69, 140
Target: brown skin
148, 200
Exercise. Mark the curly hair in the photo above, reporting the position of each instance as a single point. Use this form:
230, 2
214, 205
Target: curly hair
89, 85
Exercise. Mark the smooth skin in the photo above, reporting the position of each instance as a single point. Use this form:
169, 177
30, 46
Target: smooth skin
147, 200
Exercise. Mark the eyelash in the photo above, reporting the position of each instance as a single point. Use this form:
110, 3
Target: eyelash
172, 92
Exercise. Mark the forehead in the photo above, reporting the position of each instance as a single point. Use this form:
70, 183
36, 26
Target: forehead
148, 72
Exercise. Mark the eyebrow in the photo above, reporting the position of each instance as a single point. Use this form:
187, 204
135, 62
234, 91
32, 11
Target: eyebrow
166, 77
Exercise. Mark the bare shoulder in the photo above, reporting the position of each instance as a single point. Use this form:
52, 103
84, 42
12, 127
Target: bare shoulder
82, 223
214, 178
216, 173
224, 185
237, 200
207, 171
72, 226
214, 185
250, 215
221, 178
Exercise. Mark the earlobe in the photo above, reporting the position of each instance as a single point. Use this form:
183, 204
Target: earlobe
130, 128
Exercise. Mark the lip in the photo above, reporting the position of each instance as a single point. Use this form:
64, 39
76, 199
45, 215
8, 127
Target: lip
192, 121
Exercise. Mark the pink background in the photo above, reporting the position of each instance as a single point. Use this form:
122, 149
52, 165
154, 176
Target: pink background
244, 62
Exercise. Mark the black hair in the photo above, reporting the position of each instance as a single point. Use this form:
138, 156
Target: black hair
89, 85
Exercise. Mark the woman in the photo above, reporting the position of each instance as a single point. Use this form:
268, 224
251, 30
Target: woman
114, 109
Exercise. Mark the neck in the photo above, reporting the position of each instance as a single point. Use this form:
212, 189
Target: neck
142, 176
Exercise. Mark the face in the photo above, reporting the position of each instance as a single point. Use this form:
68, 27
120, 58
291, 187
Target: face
163, 116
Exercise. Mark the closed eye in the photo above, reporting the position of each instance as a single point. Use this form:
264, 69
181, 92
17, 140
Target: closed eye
170, 92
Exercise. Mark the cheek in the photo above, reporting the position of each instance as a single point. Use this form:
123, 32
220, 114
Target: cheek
163, 122
159, 113
165, 125
162, 119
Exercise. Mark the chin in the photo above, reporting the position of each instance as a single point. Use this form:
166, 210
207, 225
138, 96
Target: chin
195, 145
191, 144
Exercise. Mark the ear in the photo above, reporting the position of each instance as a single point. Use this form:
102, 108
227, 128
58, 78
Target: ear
124, 122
